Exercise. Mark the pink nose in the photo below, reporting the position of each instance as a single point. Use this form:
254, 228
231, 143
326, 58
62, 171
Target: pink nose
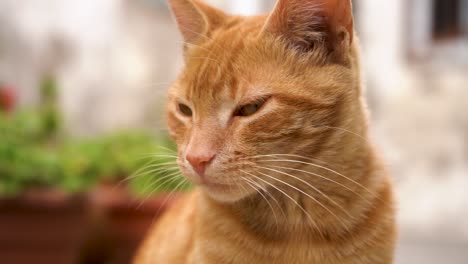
199, 162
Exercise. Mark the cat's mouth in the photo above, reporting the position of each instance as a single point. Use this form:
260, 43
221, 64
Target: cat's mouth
221, 191
208, 183
226, 188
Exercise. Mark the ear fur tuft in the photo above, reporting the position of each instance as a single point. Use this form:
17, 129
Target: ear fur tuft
195, 18
307, 23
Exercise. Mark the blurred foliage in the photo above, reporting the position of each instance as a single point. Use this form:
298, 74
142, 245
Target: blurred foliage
29, 160
51, 117
32, 155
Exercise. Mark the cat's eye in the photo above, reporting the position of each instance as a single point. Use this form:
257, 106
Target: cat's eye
185, 110
249, 109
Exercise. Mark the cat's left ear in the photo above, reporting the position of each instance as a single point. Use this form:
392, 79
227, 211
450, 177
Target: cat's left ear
306, 23
195, 19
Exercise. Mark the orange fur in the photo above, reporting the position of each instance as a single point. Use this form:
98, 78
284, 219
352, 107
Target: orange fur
297, 181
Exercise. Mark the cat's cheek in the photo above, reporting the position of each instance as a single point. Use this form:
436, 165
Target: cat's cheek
189, 175
177, 129
177, 135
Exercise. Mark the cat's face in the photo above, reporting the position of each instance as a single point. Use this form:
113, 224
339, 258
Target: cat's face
247, 100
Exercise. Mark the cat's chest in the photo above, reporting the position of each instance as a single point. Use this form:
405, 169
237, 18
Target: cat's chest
227, 253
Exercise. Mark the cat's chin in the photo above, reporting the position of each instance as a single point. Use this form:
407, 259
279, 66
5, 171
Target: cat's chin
224, 193
221, 192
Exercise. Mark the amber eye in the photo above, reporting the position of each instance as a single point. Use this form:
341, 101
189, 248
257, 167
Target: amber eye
249, 109
185, 110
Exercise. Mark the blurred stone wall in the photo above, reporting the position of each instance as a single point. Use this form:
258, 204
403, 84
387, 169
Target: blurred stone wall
112, 58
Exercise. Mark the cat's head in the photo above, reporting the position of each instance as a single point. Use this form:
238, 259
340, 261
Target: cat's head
255, 90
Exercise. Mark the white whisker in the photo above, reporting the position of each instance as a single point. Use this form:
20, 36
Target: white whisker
315, 189
304, 193
321, 167
140, 172
252, 184
347, 131
321, 177
289, 197
181, 184
166, 178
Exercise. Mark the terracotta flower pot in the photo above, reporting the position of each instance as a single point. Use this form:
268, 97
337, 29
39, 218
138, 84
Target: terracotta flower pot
121, 223
42, 227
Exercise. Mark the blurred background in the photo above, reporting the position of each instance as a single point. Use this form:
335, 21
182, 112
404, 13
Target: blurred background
82, 88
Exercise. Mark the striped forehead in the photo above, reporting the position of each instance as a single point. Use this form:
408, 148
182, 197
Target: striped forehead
216, 79
215, 89
213, 82
214, 64
219, 107
212, 73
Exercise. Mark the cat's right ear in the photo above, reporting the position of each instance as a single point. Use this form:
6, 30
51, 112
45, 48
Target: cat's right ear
195, 19
306, 23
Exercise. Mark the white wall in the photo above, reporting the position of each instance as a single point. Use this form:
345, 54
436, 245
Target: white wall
240, 7
119, 58
382, 32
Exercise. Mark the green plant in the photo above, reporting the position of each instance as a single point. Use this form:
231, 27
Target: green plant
33, 156
23, 161
28, 160
114, 158
24, 164
49, 110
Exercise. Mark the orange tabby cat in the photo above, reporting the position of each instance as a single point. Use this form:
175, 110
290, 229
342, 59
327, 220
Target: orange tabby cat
270, 123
